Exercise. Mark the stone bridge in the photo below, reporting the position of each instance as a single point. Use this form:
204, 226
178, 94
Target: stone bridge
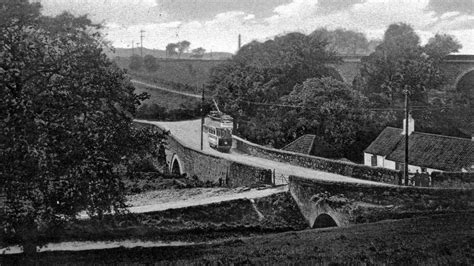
325, 204
327, 192
458, 70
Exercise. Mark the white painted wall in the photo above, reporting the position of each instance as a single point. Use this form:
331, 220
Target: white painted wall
411, 168
380, 161
389, 164
367, 159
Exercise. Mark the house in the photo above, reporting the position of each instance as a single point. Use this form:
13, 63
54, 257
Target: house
426, 152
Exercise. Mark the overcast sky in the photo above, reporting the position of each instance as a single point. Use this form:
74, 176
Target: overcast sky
215, 24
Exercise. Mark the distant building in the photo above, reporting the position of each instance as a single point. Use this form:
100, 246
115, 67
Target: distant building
427, 152
308, 144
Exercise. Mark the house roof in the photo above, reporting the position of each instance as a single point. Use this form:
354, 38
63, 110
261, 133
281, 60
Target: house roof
303, 144
426, 150
386, 142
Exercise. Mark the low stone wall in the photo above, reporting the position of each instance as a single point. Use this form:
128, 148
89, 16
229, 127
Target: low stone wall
207, 167
357, 203
452, 180
333, 166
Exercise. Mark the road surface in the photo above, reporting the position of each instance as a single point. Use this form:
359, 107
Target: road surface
188, 132
165, 89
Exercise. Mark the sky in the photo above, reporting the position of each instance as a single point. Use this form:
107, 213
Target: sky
215, 24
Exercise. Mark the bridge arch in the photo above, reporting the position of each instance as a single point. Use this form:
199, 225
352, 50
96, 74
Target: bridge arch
176, 166
324, 220
336, 74
464, 84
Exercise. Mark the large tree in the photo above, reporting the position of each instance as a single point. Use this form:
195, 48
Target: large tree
339, 116
400, 64
65, 122
183, 47
171, 49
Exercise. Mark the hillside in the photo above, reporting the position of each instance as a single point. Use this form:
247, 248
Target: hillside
127, 52
183, 71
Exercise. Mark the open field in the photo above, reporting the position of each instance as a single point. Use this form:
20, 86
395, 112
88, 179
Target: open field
439, 239
191, 72
167, 100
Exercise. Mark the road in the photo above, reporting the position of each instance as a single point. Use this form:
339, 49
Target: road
165, 89
188, 132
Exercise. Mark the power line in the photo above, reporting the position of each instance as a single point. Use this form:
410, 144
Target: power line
415, 108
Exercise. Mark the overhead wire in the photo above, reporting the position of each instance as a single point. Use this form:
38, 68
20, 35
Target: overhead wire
395, 108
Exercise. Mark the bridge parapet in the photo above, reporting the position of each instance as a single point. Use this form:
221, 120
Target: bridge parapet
348, 203
318, 163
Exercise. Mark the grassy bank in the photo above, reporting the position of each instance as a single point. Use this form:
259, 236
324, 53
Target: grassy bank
438, 239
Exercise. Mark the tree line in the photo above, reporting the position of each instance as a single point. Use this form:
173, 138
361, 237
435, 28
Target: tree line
177, 49
283, 88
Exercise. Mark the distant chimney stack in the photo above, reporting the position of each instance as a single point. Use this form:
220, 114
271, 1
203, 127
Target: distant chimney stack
240, 41
411, 125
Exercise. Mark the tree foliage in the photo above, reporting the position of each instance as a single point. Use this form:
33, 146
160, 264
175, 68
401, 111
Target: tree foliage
344, 42
136, 62
335, 113
150, 62
171, 49
65, 118
283, 88
198, 52
401, 64
183, 46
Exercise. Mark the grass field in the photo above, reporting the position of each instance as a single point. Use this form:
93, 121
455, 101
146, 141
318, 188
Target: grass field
191, 72
168, 100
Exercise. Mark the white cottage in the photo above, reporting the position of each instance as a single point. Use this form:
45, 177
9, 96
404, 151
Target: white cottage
427, 152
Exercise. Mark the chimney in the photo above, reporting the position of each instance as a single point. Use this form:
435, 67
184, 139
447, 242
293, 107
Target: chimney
411, 125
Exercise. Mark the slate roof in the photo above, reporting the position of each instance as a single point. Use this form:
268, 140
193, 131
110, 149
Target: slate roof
303, 144
425, 150
386, 142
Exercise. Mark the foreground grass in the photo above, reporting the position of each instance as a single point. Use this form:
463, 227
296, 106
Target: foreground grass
437, 239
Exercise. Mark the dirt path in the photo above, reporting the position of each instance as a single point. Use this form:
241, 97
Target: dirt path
165, 89
189, 133
152, 201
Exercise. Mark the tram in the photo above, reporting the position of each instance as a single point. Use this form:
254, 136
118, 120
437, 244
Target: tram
219, 130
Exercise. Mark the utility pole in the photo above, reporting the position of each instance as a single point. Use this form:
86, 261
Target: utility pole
133, 51
240, 42
202, 117
407, 112
141, 42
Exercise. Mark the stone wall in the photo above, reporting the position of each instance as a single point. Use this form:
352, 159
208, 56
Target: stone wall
333, 166
217, 170
354, 203
452, 180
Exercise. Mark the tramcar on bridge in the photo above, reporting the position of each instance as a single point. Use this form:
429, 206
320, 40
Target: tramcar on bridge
219, 128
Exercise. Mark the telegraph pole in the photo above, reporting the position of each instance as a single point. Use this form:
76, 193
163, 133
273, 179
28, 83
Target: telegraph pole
405, 172
133, 51
141, 42
202, 117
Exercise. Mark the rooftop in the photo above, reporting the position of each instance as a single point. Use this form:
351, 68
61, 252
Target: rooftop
426, 150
